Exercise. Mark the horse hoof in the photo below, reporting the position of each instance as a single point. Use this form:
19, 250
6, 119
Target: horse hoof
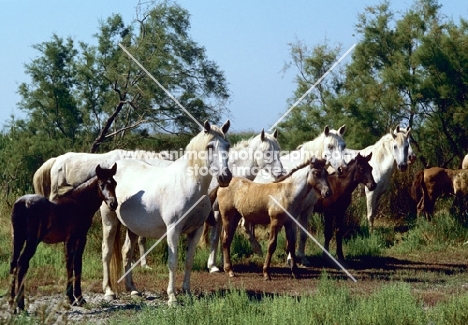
214, 269
79, 302
135, 293
267, 277
146, 267
172, 303
109, 298
231, 274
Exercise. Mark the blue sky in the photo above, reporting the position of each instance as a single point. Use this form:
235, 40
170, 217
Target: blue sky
247, 39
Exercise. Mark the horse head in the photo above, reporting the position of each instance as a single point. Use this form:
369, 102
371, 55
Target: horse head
364, 171
218, 152
107, 184
266, 153
333, 148
318, 177
402, 150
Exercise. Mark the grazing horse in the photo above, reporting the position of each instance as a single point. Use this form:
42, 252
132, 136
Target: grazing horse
58, 175
254, 202
246, 159
36, 219
165, 201
393, 149
432, 183
333, 208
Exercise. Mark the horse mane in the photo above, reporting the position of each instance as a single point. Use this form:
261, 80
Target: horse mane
315, 146
269, 142
295, 169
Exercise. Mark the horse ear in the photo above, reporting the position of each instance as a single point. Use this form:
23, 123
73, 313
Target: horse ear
262, 135
114, 169
206, 126
342, 129
98, 171
408, 130
326, 130
393, 133
369, 156
275, 134
226, 126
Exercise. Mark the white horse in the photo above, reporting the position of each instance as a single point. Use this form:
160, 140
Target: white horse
329, 145
392, 150
159, 201
59, 175
247, 158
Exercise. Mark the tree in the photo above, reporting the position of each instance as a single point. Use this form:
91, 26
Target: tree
95, 93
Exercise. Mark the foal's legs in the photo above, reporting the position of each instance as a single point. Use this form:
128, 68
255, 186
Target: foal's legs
230, 222
22, 269
74, 248
275, 226
18, 243
142, 249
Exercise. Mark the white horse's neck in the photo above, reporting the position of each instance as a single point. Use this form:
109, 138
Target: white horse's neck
199, 173
382, 161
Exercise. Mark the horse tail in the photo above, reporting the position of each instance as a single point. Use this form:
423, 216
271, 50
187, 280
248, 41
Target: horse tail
41, 178
116, 260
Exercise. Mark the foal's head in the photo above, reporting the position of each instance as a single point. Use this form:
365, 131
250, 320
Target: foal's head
106, 185
318, 177
363, 172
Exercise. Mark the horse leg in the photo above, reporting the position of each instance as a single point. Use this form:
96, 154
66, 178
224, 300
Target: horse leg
339, 235
192, 240
328, 231
127, 254
77, 269
300, 256
142, 249
69, 261
19, 238
249, 229
214, 242
274, 228
290, 230
109, 232
23, 266
230, 222
173, 235
371, 199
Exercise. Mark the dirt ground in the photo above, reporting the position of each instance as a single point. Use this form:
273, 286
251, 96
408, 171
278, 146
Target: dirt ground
434, 277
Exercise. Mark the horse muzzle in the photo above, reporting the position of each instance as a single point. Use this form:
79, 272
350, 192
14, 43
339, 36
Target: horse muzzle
371, 186
225, 178
112, 204
326, 193
402, 167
